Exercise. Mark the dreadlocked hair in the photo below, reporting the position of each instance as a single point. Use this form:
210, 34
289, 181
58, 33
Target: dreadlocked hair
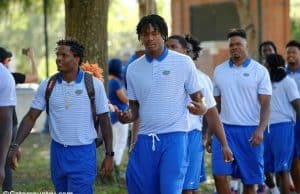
195, 45
266, 43
156, 21
276, 64
75, 47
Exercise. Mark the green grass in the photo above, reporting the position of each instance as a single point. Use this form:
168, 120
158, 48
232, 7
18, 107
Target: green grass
33, 174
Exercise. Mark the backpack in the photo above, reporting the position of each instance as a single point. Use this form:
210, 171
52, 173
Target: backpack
89, 85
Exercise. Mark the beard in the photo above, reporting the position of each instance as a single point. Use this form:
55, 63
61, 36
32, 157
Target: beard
292, 64
236, 57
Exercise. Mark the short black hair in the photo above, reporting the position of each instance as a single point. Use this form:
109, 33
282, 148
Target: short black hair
293, 43
4, 54
195, 44
237, 32
180, 39
75, 47
276, 64
266, 43
156, 21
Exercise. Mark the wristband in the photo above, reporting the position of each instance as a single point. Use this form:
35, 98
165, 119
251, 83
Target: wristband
111, 154
14, 146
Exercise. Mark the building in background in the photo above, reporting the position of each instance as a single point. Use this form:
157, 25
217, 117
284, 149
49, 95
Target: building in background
210, 20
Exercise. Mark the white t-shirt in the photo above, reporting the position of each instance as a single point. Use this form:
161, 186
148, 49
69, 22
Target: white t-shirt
284, 92
295, 76
162, 87
196, 121
239, 88
7, 88
73, 125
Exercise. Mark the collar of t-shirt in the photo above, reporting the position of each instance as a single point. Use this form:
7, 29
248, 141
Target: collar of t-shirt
290, 72
78, 77
244, 64
159, 58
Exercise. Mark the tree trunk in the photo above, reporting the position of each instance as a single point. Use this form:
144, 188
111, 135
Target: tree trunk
147, 7
86, 21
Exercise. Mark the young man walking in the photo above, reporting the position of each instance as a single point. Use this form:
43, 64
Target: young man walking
293, 70
71, 124
242, 89
159, 85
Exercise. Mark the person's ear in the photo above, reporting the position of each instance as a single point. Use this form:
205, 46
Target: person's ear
77, 59
6, 60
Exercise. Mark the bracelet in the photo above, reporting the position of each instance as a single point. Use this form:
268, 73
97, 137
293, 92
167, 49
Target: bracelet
14, 146
111, 154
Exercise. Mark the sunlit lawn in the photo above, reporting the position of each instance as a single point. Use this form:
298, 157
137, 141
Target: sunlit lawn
33, 173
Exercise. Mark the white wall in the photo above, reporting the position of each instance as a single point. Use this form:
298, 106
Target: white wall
25, 94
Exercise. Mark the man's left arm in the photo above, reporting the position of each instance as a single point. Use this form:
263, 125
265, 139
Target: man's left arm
106, 129
258, 135
102, 111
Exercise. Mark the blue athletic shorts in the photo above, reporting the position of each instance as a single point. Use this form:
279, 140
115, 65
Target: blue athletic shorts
158, 165
297, 140
248, 161
279, 147
203, 170
195, 153
73, 168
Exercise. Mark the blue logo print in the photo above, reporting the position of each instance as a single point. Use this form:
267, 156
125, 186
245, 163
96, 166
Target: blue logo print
166, 72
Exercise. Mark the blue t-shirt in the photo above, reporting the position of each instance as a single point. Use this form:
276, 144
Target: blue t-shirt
113, 86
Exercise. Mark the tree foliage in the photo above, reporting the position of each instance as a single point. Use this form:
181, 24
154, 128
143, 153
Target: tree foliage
22, 27
295, 25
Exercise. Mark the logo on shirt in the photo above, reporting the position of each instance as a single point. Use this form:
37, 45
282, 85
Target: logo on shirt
78, 92
166, 72
246, 74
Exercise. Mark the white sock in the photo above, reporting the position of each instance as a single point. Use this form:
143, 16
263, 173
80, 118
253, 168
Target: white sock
234, 184
274, 190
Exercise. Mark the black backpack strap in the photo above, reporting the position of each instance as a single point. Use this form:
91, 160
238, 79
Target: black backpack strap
89, 84
50, 86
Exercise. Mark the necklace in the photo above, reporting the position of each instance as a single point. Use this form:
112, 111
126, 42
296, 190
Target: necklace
67, 96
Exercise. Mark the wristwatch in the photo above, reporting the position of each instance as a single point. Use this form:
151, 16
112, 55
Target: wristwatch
14, 146
111, 154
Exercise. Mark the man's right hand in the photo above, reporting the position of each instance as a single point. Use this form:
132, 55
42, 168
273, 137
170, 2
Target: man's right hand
29, 53
208, 144
14, 156
124, 117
